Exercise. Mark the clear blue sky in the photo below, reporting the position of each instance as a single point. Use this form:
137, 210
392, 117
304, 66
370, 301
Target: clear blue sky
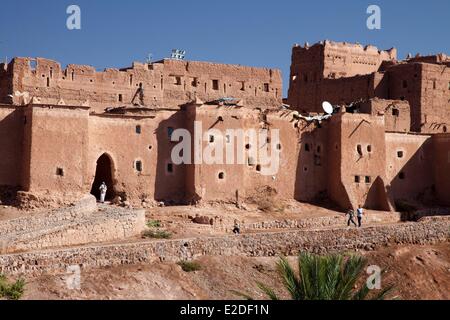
249, 32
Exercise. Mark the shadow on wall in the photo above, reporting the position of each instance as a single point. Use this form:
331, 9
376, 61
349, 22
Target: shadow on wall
104, 172
413, 186
12, 126
170, 180
311, 172
376, 198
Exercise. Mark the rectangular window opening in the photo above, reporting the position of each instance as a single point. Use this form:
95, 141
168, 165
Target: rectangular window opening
215, 84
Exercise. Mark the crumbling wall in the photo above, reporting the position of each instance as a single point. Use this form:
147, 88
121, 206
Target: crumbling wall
351, 71
163, 84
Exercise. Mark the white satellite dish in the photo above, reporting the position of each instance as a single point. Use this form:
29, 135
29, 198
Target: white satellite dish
327, 107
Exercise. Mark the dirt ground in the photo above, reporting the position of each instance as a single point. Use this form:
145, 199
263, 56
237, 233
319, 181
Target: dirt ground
418, 272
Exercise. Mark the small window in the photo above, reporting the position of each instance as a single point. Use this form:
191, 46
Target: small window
279, 146
369, 148
258, 168
177, 80
170, 132
248, 146
120, 97
357, 180
194, 82
359, 149
138, 166
221, 175
138, 129
434, 84
251, 161
368, 179
211, 138
319, 149
228, 138
215, 84
401, 175
307, 148
266, 87
395, 112
405, 84
242, 85
48, 82
220, 118
170, 167
60, 172
399, 154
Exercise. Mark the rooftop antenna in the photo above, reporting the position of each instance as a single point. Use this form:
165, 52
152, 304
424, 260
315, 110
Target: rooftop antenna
178, 54
327, 107
149, 58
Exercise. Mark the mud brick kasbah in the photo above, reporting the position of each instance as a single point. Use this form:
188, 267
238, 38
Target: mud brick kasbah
64, 131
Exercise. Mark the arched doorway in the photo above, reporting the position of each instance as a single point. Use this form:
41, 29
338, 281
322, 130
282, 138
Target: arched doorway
103, 173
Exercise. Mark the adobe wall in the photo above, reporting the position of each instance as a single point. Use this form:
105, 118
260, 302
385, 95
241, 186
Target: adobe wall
359, 144
164, 84
59, 148
336, 72
428, 231
441, 166
396, 113
312, 162
409, 161
244, 175
435, 98
12, 121
117, 137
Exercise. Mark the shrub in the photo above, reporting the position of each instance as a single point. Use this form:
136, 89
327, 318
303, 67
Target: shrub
157, 234
153, 223
189, 266
12, 291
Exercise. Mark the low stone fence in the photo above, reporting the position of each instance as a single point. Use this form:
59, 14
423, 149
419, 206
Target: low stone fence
427, 231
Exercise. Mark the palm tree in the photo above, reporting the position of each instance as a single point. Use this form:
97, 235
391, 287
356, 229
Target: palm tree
330, 277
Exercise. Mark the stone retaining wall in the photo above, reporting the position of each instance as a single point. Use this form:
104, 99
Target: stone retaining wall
80, 209
80, 224
428, 230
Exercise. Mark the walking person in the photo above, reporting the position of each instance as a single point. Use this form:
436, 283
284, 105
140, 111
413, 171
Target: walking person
351, 215
103, 188
359, 215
